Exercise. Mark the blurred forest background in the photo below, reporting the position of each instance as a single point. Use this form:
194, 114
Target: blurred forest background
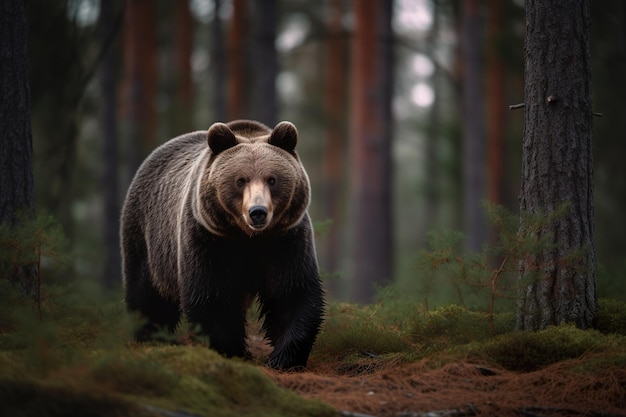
402, 109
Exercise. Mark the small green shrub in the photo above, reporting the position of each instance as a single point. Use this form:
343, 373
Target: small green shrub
611, 316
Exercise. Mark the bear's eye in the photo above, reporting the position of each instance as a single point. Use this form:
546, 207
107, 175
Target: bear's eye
271, 181
240, 182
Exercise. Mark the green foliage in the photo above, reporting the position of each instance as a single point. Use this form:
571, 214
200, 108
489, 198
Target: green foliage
31, 239
27, 245
321, 227
611, 316
494, 272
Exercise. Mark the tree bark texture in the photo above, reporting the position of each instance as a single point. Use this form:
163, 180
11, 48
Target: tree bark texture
16, 153
557, 165
370, 148
473, 127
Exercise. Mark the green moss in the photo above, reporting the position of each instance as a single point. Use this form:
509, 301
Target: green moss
455, 325
122, 381
351, 330
27, 398
527, 351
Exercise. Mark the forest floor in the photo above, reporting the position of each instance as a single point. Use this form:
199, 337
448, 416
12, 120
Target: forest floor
384, 360
447, 387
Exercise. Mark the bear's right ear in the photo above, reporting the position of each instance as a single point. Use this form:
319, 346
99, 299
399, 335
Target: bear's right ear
285, 136
220, 138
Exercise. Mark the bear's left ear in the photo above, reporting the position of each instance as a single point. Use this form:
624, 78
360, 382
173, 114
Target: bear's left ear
285, 136
220, 138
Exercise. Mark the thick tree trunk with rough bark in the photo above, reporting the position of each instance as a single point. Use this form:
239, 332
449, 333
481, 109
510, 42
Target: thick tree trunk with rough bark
557, 165
16, 155
370, 148
16, 148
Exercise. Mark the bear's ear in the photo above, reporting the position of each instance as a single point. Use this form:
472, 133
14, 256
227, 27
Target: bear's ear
285, 136
220, 138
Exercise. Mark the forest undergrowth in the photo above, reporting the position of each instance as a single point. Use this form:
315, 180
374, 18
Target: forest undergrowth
386, 359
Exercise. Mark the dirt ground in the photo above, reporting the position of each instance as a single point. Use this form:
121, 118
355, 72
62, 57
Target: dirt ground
460, 389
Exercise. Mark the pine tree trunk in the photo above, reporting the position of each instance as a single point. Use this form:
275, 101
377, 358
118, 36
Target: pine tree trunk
16, 157
111, 274
496, 105
16, 154
218, 63
557, 165
370, 148
140, 72
236, 54
264, 20
183, 84
335, 129
473, 127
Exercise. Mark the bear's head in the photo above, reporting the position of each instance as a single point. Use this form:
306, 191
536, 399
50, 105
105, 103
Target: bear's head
254, 181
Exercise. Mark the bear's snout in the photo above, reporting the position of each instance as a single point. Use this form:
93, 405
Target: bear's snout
257, 205
258, 215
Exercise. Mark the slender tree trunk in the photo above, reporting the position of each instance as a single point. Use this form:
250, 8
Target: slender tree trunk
432, 162
496, 105
370, 148
334, 142
218, 64
183, 84
140, 68
473, 127
16, 155
264, 20
557, 165
111, 277
236, 62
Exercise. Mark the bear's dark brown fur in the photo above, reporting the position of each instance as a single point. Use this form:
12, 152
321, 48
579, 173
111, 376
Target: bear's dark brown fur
213, 219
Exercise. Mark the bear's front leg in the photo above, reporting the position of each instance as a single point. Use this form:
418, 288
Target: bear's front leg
291, 324
213, 306
223, 324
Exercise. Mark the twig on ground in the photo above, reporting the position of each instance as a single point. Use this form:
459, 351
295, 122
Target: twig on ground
470, 410
351, 414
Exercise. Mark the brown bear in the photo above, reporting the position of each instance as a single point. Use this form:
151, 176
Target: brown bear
213, 219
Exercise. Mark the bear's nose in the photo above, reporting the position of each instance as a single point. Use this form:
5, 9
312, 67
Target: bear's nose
258, 214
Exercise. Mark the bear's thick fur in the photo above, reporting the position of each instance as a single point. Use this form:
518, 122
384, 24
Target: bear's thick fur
213, 219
